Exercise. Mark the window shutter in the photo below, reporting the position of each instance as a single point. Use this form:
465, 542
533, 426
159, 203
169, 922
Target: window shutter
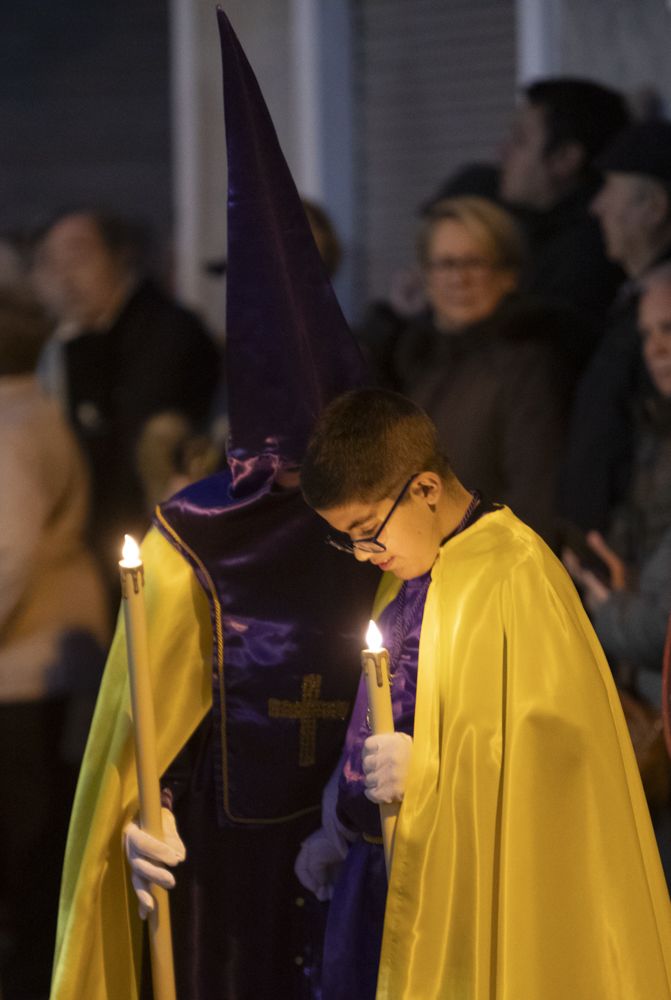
434, 88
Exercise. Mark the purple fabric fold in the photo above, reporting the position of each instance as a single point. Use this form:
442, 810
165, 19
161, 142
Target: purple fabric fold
400, 624
291, 612
356, 914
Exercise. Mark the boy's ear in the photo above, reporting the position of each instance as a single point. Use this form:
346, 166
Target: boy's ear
429, 486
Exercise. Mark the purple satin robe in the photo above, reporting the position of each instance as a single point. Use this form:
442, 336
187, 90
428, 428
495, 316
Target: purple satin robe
356, 915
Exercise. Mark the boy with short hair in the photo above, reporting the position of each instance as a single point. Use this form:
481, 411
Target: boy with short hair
524, 861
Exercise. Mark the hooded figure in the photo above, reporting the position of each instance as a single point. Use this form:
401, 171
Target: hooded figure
255, 629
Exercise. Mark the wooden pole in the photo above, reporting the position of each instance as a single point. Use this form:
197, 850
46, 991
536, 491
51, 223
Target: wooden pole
132, 590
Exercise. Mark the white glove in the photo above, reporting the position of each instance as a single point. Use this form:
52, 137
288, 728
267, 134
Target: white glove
385, 760
318, 862
149, 856
322, 853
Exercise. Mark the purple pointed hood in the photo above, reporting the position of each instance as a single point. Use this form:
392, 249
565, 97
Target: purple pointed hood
289, 349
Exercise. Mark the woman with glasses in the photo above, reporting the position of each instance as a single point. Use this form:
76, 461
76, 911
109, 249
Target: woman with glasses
483, 360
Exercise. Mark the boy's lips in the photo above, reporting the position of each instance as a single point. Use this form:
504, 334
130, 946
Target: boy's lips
384, 566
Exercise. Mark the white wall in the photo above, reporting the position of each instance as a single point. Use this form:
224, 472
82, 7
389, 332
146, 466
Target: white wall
299, 52
624, 43
538, 38
199, 149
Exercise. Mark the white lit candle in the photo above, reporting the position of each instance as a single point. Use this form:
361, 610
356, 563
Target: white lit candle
132, 591
375, 666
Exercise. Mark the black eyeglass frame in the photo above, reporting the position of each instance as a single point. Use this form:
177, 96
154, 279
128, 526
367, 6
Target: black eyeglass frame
370, 545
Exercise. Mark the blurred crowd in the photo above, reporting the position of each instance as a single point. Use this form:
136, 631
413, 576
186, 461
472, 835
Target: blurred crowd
536, 332
534, 328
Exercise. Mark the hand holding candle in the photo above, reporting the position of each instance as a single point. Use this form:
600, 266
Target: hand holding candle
375, 666
386, 760
132, 591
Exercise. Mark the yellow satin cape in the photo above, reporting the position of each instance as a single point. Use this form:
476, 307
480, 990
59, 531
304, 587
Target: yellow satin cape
98, 938
525, 865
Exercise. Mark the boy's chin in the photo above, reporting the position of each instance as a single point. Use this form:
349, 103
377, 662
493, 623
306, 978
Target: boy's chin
405, 567
406, 572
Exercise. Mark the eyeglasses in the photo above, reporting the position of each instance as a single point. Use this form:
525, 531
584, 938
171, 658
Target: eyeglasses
339, 540
462, 265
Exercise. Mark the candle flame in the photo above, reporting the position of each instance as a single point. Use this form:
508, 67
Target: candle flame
373, 638
130, 554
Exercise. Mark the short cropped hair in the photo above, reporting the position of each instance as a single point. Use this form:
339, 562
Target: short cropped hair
24, 329
366, 444
491, 226
581, 111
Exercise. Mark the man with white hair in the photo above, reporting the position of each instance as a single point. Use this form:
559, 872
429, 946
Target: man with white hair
631, 610
634, 211
630, 615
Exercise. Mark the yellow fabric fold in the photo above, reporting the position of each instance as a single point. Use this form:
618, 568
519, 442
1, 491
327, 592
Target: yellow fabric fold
98, 937
525, 865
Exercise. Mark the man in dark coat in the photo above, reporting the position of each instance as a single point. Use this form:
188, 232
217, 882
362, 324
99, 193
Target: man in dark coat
131, 352
548, 173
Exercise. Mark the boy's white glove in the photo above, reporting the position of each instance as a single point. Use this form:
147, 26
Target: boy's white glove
318, 862
385, 760
149, 856
322, 853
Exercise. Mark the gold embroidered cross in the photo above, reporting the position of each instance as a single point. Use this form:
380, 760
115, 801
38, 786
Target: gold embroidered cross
308, 710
